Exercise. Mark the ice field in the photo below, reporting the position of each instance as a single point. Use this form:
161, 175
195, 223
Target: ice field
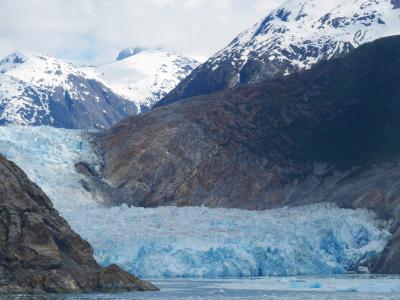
192, 242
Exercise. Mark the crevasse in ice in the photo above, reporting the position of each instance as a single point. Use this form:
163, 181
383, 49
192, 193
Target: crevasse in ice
169, 241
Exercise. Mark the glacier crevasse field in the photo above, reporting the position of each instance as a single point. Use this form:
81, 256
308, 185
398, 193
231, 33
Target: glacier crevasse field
192, 242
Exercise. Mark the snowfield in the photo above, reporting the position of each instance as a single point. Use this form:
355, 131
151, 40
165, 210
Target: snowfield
192, 242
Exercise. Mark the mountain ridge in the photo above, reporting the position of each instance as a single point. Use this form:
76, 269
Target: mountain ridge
292, 37
38, 89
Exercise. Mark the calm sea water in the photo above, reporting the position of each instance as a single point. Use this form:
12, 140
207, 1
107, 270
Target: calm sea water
300, 287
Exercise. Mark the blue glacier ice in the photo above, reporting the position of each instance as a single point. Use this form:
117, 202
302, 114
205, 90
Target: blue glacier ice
192, 242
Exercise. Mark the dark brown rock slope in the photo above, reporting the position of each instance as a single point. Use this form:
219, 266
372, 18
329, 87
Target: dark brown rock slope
328, 134
38, 249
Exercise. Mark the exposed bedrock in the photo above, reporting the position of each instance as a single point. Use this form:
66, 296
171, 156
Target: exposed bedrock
38, 249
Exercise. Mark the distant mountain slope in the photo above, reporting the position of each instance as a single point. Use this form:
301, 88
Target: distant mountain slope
38, 89
327, 134
145, 76
294, 36
41, 90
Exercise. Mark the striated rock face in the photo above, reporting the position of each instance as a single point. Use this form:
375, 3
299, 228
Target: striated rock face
38, 249
328, 134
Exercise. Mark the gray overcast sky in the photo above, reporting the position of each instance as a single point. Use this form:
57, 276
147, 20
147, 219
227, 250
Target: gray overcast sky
93, 31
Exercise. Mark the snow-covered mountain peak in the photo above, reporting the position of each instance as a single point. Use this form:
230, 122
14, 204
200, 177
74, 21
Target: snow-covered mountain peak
294, 36
40, 70
146, 76
38, 89
304, 32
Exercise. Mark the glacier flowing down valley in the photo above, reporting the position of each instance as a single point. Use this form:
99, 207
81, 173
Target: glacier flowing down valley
192, 242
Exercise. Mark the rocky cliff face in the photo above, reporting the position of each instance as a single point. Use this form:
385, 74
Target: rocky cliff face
38, 249
328, 134
292, 37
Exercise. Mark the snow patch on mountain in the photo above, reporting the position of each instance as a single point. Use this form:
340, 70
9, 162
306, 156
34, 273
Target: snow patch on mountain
202, 242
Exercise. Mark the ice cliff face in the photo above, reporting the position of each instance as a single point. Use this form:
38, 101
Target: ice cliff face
294, 36
164, 242
202, 242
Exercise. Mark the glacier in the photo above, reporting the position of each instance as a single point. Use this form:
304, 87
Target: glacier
192, 241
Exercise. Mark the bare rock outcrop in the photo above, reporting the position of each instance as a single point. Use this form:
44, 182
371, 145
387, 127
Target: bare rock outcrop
38, 249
